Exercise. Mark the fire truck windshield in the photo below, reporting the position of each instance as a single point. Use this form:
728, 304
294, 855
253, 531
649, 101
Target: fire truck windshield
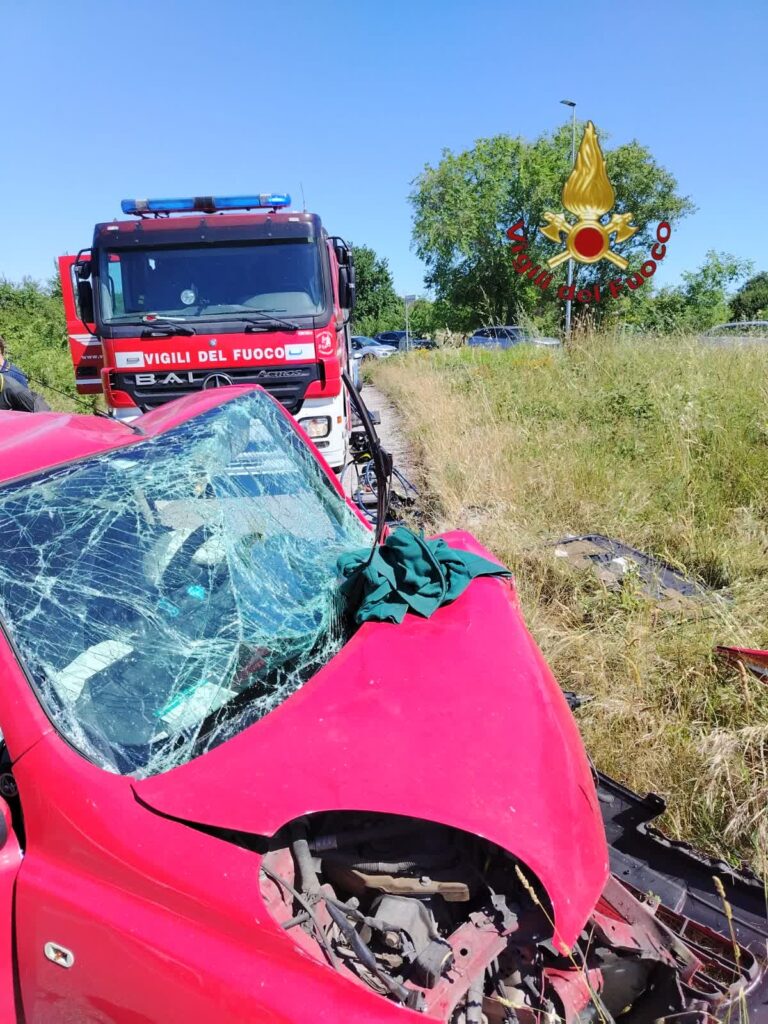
283, 277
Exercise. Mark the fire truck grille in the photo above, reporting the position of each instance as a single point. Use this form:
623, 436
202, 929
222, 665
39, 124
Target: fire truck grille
287, 383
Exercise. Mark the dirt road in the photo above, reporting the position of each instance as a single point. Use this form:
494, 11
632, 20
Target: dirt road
392, 437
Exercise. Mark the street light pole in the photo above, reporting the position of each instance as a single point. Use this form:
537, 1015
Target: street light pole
407, 300
572, 105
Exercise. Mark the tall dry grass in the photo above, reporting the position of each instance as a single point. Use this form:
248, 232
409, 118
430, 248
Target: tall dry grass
664, 445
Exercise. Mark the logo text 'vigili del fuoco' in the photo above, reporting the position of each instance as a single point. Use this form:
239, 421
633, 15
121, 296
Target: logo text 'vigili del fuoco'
589, 196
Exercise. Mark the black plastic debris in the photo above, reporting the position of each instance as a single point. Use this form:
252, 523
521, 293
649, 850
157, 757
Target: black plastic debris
576, 700
682, 877
615, 562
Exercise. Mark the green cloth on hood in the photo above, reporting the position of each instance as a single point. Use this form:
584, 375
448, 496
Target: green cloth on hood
408, 573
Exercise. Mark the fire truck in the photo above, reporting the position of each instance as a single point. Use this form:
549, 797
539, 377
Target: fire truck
205, 292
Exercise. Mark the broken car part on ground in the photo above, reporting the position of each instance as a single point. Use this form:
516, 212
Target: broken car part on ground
222, 800
615, 562
754, 660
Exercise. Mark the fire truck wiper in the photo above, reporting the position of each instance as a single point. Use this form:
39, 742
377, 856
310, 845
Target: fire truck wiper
255, 326
265, 318
166, 330
166, 325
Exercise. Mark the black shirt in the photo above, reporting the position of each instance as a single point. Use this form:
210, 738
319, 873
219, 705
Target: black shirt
15, 396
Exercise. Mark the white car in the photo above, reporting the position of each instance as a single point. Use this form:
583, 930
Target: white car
508, 337
742, 332
369, 348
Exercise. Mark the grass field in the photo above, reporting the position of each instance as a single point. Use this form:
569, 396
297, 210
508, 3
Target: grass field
660, 444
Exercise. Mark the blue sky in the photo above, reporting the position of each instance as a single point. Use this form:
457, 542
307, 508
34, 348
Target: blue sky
103, 100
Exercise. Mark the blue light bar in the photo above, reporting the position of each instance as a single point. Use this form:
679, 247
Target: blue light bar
206, 204
271, 199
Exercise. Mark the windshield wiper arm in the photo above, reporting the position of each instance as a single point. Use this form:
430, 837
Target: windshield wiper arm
166, 330
167, 324
161, 326
256, 326
265, 317
248, 316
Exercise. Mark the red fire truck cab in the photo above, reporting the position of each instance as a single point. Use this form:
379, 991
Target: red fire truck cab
210, 291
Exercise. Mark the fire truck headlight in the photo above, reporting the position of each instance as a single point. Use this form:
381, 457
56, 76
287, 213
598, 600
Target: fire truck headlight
316, 426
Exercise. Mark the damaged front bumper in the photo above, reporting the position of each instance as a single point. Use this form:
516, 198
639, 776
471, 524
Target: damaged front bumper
716, 909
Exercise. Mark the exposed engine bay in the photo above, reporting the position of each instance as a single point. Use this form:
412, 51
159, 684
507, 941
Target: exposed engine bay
456, 928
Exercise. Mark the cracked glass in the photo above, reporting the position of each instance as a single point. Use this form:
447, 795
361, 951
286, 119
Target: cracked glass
165, 596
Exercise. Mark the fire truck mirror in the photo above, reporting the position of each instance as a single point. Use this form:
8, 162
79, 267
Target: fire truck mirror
342, 251
83, 265
347, 287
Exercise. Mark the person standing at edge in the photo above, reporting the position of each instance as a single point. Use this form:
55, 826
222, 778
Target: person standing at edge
6, 366
18, 398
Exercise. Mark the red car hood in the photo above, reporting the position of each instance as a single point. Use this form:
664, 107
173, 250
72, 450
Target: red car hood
456, 719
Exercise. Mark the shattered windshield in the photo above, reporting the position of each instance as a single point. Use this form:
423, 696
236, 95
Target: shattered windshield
165, 596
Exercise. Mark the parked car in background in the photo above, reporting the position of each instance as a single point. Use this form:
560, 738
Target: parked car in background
395, 338
507, 337
743, 332
400, 340
370, 348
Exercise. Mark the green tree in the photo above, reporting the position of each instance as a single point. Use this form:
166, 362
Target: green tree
32, 323
706, 289
698, 302
378, 307
463, 206
751, 300
421, 318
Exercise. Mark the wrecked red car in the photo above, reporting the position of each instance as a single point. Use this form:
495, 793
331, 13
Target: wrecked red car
221, 801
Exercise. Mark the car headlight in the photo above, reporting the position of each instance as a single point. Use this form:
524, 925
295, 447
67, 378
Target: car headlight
316, 426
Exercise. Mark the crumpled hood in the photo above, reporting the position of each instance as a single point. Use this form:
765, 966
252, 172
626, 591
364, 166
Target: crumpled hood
456, 719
